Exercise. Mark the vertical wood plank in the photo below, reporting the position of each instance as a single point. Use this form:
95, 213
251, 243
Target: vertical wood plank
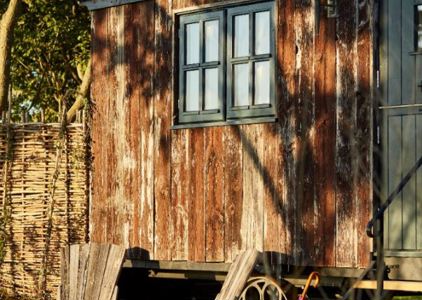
73, 272
132, 157
346, 154
409, 196
111, 272
273, 193
253, 188
214, 188
395, 170
364, 131
394, 51
99, 96
307, 208
111, 161
408, 83
233, 191
197, 197
82, 274
286, 86
120, 199
64, 272
92, 262
180, 193
325, 135
163, 229
146, 31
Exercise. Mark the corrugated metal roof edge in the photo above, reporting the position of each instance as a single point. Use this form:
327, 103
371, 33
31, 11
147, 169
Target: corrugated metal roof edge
99, 4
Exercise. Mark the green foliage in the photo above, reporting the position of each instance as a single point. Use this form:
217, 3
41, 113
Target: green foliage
51, 45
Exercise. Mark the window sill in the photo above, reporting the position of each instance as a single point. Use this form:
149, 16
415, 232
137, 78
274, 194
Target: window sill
226, 123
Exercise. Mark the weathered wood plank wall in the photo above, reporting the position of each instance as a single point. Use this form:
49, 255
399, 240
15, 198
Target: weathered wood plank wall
300, 187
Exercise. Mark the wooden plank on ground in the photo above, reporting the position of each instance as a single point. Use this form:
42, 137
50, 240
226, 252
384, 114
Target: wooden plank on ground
238, 274
96, 273
64, 273
114, 264
115, 293
90, 271
73, 271
82, 270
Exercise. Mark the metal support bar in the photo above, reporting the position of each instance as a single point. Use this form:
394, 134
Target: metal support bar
380, 263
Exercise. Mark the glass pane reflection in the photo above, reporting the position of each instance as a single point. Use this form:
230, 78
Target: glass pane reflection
241, 35
419, 27
211, 41
211, 88
262, 82
192, 43
241, 85
262, 32
192, 90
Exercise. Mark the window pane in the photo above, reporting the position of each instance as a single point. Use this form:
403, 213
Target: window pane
192, 90
211, 40
241, 85
241, 35
192, 43
211, 88
262, 82
262, 32
419, 27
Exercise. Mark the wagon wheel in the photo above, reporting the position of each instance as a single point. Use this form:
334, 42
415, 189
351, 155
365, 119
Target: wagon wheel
262, 288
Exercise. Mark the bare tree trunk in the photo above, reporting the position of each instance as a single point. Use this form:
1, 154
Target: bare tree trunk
7, 25
82, 93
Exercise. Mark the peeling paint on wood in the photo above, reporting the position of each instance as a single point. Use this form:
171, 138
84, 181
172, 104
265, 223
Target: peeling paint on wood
299, 187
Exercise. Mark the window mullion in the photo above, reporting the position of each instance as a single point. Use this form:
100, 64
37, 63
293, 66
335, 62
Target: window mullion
251, 54
201, 69
201, 90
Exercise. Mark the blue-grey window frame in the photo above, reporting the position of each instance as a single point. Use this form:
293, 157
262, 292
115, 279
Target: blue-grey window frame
251, 110
226, 114
202, 115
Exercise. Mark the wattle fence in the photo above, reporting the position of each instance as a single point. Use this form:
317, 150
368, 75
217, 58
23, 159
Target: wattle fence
44, 191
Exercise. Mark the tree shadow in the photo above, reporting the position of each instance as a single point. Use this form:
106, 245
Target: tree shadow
321, 173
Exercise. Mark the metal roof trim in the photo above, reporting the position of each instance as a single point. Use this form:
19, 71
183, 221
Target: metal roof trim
99, 4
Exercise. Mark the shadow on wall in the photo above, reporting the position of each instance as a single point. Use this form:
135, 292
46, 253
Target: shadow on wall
323, 146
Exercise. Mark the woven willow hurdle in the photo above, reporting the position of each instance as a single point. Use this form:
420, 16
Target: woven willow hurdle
43, 189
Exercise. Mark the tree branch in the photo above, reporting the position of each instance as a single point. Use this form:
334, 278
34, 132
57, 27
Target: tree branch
7, 25
81, 95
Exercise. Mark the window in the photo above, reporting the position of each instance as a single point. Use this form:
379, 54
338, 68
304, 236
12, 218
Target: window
419, 28
226, 65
